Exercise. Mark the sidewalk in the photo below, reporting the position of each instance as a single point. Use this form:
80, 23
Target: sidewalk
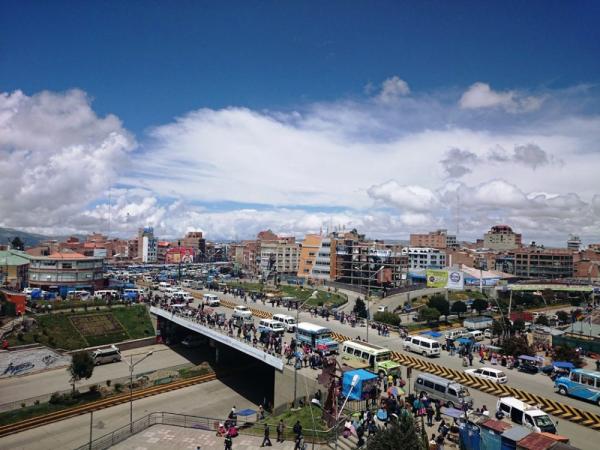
159, 437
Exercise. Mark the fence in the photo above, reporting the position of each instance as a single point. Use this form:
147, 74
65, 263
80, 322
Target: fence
197, 422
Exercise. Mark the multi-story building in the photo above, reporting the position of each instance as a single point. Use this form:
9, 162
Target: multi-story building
14, 269
147, 245
425, 258
321, 269
196, 241
308, 254
502, 237
66, 269
439, 239
540, 262
574, 243
178, 255
281, 256
162, 247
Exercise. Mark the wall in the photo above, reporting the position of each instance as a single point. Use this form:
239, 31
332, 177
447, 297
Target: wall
284, 388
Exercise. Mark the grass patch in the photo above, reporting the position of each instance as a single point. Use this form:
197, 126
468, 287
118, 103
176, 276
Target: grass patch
465, 295
246, 286
190, 372
71, 331
323, 298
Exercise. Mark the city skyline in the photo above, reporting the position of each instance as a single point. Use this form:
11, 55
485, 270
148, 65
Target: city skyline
183, 123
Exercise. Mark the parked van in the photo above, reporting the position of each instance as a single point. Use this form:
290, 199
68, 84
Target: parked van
106, 355
422, 345
477, 335
78, 295
523, 414
287, 321
163, 285
455, 334
211, 300
241, 311
106, 293
267, 325
448, 392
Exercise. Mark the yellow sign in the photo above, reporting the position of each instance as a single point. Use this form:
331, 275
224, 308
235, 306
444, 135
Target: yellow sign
437, 278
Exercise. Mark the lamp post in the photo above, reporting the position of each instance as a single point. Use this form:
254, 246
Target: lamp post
369, 298
353, 384
296, 339
131, 365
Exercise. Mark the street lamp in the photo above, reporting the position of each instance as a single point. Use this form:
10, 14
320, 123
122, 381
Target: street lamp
131, 365
295, 359
353, 384
369, 298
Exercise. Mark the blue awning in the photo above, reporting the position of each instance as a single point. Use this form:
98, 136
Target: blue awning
563, 365
246, 412
464, 340
434, 334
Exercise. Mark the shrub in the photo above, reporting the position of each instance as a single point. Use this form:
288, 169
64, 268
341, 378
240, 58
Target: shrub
108, 383
36, 337
20, 336
118, 387
387, 317
93, 389
23, 405
55, 398
37, 402
51, 341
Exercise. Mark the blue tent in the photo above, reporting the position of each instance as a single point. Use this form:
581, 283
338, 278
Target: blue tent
433, 334
365, 380
464, 341
563, 365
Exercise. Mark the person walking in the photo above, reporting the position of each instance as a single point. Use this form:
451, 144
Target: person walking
429, 412
297, 428
228, 442
266, 440
299, 443
280, 430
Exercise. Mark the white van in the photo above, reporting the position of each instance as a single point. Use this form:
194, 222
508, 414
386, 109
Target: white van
106, 355
241, 311
476, 335
422, 345
78, 295
163, 285
451, 394
488, 373
266, 325
287, 321
211, 300
106, 293
455, 334
523, 414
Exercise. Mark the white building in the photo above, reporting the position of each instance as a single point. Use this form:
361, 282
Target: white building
425, 258
281, 256
322, 268
147, 245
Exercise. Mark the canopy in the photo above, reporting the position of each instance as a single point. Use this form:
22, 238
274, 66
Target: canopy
530, 358
246, 412
464, 340
452, 412
365, 380
563, 365
433, 334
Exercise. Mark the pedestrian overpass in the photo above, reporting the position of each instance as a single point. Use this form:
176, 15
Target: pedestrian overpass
217, 336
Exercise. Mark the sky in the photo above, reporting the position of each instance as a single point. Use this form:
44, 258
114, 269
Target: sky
233, 117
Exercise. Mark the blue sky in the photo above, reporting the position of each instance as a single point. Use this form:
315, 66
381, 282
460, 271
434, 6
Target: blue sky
235, 116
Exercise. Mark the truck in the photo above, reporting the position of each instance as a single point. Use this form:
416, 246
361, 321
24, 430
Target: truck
478, 323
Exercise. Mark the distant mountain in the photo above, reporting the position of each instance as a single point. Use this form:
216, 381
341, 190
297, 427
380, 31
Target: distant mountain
29, 239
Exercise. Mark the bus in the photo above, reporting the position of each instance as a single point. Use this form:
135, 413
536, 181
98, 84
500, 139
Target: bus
580, 383
316, 337
373, 357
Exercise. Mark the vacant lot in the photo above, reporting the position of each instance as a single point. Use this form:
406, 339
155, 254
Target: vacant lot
71, 331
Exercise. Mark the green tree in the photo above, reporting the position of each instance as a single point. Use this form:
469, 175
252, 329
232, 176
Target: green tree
82, 366
518, 325
516, 346
387, 317
360, 308
440, 303
429, 314
563, 316
17, 244
542, 320
569, 354
459, 307
479, 305
398, 435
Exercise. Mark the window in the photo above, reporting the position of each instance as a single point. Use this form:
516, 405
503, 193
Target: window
67, 265
505, 408
419, 381
440, 388
452, 392
429, 384
587, 379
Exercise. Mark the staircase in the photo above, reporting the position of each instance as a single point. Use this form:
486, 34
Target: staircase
350, 443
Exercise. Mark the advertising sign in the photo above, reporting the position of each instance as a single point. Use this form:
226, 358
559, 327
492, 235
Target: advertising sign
456, 280
437, 278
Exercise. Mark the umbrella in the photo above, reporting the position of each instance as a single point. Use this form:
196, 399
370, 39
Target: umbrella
382, 414
321, 347
395, 391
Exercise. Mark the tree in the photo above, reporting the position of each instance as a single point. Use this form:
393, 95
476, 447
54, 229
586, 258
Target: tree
459, 307
17, 244
397, 435
440, 303
518, 325
429, 314
82, 366
542, 320
479, 305
517, 346
563, 316
563, 353
387, 317
360, 309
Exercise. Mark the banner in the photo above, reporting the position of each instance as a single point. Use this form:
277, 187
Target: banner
456, 280
437, 278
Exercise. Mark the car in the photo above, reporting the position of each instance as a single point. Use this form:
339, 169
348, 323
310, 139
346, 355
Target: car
488, 373
242, 311
487, 333
528, 368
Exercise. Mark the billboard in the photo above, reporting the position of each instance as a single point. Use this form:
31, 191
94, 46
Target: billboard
456, 280
437, 278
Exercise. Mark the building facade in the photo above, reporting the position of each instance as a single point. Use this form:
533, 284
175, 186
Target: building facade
425, 258
281, 256
66, 270
195, 240
14, 269
308, 254
541, 262
502, 237
439, 239
147, 245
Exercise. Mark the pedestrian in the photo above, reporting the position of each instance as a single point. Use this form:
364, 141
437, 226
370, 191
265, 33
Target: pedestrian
299, 443
228, 442
266, 440
261, 412
280, 430
432, 443
297, 428
429, 412
470, 359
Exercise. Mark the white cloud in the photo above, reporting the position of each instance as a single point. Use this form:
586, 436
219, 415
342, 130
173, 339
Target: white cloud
481, 95
412, 198
392, 89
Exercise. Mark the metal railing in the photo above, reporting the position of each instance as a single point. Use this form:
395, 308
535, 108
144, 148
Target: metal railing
198, 422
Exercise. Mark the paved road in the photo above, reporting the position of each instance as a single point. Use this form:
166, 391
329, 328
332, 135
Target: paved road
18, 388
212, 399
539, 384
